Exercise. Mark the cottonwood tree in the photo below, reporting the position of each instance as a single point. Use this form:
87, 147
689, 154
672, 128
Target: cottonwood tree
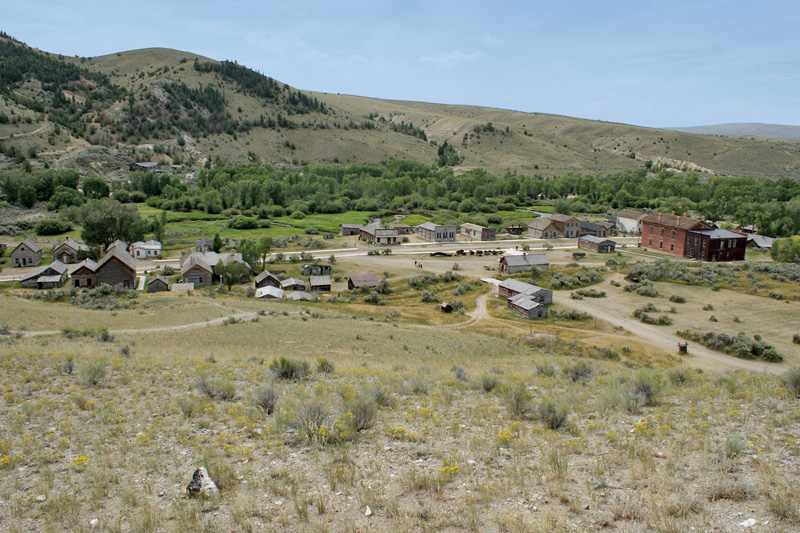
107, 220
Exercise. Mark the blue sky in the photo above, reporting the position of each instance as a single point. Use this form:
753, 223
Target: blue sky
650, 63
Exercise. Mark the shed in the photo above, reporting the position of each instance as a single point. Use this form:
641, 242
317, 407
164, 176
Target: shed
527, 307
362, 280
269, 292
513, 264
158, 284
320, 283
512, 287
300, 295
315, 270
596, 244
50, 277
293, 284
267, 279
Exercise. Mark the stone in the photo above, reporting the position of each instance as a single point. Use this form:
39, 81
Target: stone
41, 498
750, 522
659, 454
368, 511
93, 522
202, 484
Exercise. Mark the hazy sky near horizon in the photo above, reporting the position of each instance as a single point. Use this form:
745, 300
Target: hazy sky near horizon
649, 63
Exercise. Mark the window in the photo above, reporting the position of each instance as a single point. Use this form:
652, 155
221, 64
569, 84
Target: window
651, 242
661, 244
651, 229
673, 234
662, 232
671, 247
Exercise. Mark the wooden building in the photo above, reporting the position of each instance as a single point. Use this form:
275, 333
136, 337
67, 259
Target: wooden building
568, 226
267, 279
527, 307
543, 228
591, 228
349, 229
83, 273
402, 229
52, 276
70, 251
512, 287
196, 271
117, 268
715, 245
320, 283
476, 232
596, 244
145, 250
436, 232
293, 284
356, 281
514, 264
315, 270
515, 230
379, 236
26, 254
630, 221
158, 284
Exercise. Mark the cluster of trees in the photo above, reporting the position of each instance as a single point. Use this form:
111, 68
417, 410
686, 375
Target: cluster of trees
786, 250
409, 129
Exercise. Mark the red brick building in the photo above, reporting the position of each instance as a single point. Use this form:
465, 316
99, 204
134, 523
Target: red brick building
663, 232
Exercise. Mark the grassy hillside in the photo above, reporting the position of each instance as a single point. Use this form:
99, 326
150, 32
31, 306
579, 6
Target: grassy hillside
154, 104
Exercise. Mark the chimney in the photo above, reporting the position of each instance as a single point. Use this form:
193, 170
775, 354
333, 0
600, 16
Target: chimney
659, 216
673, 212
679, 220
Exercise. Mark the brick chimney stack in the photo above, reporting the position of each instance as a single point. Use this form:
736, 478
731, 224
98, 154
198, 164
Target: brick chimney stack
659, 216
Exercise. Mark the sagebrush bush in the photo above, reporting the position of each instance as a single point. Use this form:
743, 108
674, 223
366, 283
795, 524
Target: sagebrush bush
381, 396
286, 369
792, 380
364, 411
580, 372
460, 374
518, 400
488, 382
265, 398
92, 373
219, 389
429, 297
553, 414
546, 369
324, 365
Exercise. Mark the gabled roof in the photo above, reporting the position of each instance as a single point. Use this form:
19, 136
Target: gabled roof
631, 213
72, 243
293, 282
520, 286
470, 225
316, 281
715, 233
669, 220
160, 278
266, 275
56, 269
558, 217
430, 226
591, 226
596, 240
117, 244
269, 292
30, 244
540, 223
351, 226
525, 260
87, 264
149, 245
760, 240
360, 280
121, 254
194, 260
523, 301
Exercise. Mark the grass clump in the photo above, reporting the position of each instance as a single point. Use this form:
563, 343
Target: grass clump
460, 374
219, 389
265, 398
518, 399
92, 373
324, 365
286, 369
488, 382
792, 381
580, 372
553, 414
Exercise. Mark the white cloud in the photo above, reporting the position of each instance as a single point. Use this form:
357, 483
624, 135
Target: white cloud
451, 59
285, 43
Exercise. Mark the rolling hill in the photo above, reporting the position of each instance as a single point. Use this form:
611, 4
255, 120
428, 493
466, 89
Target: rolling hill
98, 115
777, 131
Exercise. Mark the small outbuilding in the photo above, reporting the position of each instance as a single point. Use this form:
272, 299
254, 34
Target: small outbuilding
320, 283
52, 276
356, 281
158, 284
270, 293
596, 244
267, 279
315, 270
293, 284
514, 264
300, 295
527, 306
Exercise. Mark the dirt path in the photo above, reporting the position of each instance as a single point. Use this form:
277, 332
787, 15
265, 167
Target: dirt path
37, 131
663, 337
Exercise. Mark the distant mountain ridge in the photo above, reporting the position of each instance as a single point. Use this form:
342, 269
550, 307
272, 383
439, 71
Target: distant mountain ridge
744, 129
98, 115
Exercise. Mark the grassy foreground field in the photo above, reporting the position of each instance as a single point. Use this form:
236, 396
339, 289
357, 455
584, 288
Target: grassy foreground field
415, 428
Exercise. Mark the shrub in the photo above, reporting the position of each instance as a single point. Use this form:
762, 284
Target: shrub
380, 396
488, 382
588, 293
220, 389
430, 297
310, 416
324, 365
374, 298
796, 338
364, 411
92, 373
286, 369
580, 372
546, 369
553, 414
416, 385
460, 374
265, 398
52, 226
792, 381
677, 299
518, 400
740, 345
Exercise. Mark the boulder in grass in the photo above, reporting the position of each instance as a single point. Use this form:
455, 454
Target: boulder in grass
202, 484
